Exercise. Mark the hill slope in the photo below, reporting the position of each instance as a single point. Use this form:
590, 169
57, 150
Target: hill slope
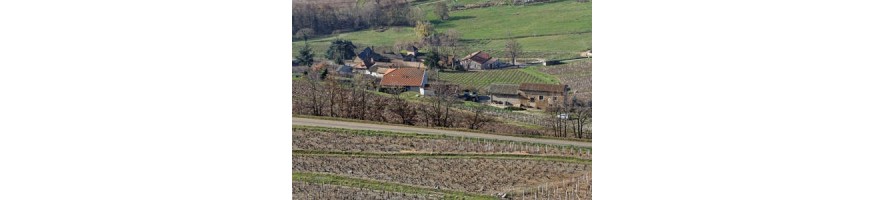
553, 30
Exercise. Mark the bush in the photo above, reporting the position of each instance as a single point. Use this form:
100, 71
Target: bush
511, 108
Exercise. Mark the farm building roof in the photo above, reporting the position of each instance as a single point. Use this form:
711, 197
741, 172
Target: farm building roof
479, 57
506, 89
382, 70
402, 63
543, 87
404, 77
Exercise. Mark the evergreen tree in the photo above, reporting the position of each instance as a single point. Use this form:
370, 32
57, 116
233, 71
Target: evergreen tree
432, 60
305, 55
324, 74
340, 50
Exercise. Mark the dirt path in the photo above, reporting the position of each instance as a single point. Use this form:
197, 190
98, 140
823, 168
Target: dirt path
379, 127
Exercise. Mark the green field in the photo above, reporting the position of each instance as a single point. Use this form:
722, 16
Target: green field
562, 17
552, 30
482, 79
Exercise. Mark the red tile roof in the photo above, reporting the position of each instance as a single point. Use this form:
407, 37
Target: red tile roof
404, 77
479, 57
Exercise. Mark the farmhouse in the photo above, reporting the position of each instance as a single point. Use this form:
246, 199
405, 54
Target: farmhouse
367, 58
541, 96
407, 79
504, 94
480, 60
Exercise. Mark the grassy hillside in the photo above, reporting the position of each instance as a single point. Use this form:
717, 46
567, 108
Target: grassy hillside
560, 17
551, 30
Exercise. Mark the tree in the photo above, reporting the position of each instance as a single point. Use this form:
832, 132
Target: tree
441, 104
401, 108
556, 121
431, 60
332, 94
324, 74
313, 94
423, 29
479, 118
583, 114
305, 55
340, 50
513, 49
304, 33
441, 10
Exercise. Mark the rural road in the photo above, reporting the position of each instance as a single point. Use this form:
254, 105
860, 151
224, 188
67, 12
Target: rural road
379, 127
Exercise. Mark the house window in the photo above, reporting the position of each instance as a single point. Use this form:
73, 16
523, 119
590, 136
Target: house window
532, 99
540, 97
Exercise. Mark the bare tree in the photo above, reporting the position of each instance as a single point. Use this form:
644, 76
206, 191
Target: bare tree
313, 93
332, 92
441, 10
441, 104
360, 84
479, 118
513, 49
305, 33
582, 114
377, 109
557, 121
401, 108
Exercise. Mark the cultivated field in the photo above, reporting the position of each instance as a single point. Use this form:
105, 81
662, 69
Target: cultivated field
330, 162
578, 75
325, 139
482, 79
309, 190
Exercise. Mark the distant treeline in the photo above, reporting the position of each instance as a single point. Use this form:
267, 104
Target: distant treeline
314, 19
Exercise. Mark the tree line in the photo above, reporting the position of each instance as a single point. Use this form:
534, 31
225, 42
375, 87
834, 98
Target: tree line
310, 20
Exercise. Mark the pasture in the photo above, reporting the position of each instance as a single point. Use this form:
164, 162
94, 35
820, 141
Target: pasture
553, 30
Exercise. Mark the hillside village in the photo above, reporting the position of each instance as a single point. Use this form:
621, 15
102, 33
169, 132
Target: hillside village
507, 78
407, 72
517, 68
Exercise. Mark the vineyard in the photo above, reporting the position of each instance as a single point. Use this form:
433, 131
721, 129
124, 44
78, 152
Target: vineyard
577, 75
327, 139
308, 190
482, 79
357, 164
